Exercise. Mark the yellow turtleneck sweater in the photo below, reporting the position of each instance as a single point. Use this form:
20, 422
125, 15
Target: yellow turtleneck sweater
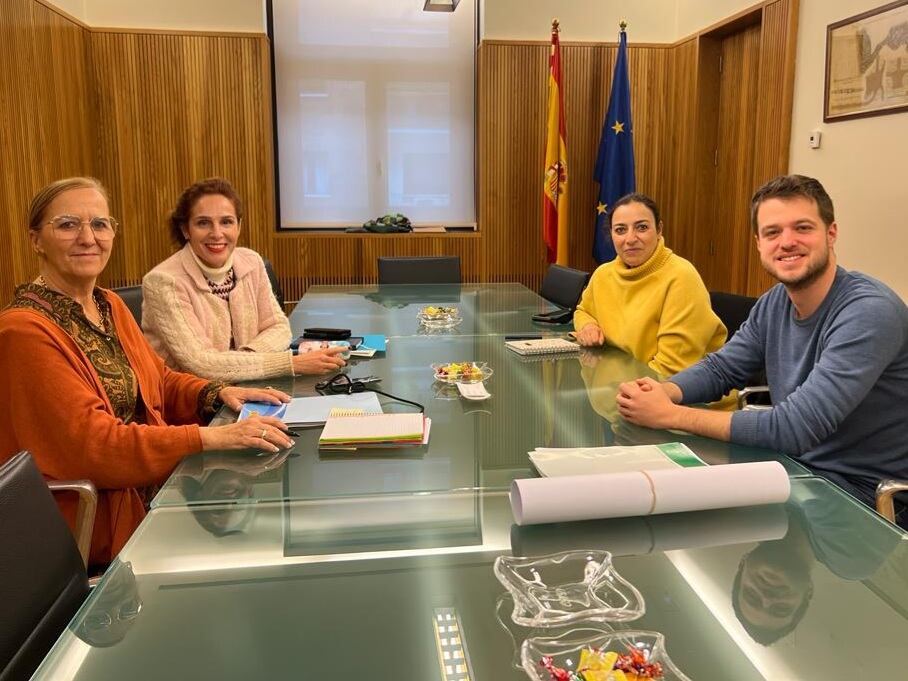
658, 312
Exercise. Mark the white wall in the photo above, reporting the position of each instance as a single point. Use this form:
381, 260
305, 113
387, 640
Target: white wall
861, 162
649, 21
695, 15
199, 15
74, 8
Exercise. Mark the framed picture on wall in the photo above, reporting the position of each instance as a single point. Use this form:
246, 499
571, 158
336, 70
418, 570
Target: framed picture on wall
867, 64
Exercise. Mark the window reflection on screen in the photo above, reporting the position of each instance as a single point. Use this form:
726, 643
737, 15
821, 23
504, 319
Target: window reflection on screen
419, 145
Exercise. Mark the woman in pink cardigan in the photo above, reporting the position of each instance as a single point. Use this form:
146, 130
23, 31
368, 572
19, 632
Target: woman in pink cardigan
209, 308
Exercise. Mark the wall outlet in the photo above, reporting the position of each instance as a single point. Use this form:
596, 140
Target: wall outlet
814, 138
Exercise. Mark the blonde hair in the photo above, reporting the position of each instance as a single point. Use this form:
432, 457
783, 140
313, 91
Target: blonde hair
48, 193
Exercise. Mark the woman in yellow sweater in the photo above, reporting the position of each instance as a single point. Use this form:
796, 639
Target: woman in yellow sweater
648, 301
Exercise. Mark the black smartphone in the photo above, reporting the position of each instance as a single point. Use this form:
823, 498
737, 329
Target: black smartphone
554, 317
318, 333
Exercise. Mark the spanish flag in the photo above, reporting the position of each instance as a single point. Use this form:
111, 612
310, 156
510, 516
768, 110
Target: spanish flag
554, 200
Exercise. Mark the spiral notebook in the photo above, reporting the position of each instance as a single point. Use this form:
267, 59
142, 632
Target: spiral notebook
542, 346
349, 428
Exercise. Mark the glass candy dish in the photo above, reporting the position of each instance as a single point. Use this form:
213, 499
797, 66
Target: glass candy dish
517, 634
461, 372
438, 317
598, 652
567, 587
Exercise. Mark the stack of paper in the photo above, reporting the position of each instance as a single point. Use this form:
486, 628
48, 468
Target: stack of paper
553, 462
375, 430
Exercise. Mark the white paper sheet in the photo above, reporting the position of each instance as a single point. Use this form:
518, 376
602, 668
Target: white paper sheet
556, 462
619, 495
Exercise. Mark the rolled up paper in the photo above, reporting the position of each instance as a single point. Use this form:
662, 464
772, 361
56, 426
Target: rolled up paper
640, 536
621, 495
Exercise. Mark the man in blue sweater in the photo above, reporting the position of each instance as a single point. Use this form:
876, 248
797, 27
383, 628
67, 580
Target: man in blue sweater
834, 344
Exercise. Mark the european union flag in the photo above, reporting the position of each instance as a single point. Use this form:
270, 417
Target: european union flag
615, 163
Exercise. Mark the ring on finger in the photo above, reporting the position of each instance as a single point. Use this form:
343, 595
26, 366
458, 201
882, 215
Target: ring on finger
264, 432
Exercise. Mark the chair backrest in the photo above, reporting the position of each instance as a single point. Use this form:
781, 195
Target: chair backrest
42, 577
132, 296
563, 286
275, 284
436, 270
731, 308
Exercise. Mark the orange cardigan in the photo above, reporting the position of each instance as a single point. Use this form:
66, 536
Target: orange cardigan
55, 407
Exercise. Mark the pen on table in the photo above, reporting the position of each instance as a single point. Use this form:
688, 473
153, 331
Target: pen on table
522, 337
292, 433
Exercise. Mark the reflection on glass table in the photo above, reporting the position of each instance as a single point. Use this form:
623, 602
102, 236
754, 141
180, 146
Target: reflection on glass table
823, 594
541, 403
394, 310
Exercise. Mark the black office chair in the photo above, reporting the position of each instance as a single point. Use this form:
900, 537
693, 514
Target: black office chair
42, 575
275, 284
564, 286
435, 270
731, 308
132, 296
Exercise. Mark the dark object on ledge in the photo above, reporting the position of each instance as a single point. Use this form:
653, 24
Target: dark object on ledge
392, 223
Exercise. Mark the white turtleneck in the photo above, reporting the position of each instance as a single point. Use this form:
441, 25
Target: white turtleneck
212, 274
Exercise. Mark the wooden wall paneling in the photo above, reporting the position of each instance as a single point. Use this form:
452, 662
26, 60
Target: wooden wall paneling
162, 110
511, 118
709, 51
46, 118
177, 108
680, 139
729, 229
588, 74
512, 99
773, 116
303, 261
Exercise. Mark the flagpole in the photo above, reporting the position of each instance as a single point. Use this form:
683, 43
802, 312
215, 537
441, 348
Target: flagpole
555, 209
614, 169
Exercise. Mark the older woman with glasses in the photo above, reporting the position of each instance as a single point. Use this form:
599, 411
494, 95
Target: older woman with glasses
82, 389
209, 307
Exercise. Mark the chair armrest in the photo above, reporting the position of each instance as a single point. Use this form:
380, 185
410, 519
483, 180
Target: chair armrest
751, 390
884, 492
85, 513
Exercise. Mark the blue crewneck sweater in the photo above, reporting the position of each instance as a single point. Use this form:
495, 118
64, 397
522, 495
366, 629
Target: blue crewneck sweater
838, 380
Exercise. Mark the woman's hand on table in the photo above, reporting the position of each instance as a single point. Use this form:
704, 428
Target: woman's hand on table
266, 433
319, 361
590, 335
234, 397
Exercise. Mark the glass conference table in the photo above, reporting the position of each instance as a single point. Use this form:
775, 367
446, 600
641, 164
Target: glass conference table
536, 402
391, 310
567, 402
401, 587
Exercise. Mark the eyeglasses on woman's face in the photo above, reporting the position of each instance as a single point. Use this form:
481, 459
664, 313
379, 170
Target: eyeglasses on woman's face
69, 227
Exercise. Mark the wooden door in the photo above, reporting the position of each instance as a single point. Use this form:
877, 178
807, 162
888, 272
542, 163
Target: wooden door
729, 243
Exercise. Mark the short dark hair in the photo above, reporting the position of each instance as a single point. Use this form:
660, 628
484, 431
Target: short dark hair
635, 197
788, 187
765, 635
179, 218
